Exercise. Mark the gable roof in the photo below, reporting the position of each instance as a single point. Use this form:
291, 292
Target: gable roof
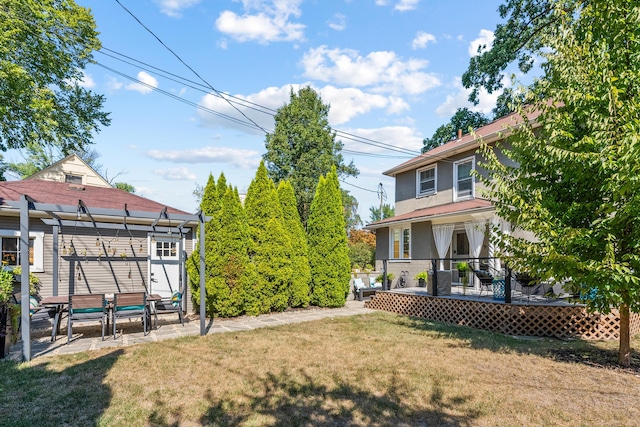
62, 193
73, 165
492, 132
467, 206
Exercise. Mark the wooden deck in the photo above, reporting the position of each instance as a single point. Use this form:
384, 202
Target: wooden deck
533, 316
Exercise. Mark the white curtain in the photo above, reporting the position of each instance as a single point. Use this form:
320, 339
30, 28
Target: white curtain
475, 234
493, 236
442, 236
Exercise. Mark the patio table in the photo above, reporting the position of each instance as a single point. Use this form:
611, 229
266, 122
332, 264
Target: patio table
59, 303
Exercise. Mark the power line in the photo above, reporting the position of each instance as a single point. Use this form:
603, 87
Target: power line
247, 104
360, 188
188, 66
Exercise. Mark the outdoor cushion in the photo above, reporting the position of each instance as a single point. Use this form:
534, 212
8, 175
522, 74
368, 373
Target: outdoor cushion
358, 283
176, 297
33, 305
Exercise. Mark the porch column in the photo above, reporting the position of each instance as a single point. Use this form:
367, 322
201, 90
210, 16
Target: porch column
24, 279
203, 289
54, 271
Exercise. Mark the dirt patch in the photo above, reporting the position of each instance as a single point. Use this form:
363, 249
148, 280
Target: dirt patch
597, 358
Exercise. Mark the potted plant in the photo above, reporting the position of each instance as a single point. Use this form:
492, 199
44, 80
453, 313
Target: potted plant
463, 270
9, 309
421, 278
380, 277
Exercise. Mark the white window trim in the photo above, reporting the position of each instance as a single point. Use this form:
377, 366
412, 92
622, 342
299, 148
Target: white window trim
401, 228
38, 248
455, 179
435, 181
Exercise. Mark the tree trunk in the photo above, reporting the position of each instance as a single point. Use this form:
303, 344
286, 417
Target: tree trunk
624, 352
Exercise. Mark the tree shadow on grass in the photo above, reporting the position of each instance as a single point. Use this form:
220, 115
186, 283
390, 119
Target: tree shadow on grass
40, 395
584, 352
296, 399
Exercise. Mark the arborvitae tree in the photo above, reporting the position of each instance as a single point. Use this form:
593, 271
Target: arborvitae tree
301, 272
328, 251
270, 246
229, 289
209, 196
210, 205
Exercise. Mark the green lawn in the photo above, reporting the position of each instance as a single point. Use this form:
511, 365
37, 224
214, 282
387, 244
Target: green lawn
374, 370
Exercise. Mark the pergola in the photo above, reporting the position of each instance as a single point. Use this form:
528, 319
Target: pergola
80, 215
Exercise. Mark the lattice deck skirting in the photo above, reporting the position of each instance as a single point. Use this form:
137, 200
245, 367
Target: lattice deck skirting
531, 320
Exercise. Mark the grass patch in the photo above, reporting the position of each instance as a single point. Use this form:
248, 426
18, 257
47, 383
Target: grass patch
375, 370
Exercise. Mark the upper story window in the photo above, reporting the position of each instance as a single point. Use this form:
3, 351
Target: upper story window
426, 181
401, 243
463, 180
73, 179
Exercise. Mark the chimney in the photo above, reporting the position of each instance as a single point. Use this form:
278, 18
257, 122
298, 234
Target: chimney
459, 133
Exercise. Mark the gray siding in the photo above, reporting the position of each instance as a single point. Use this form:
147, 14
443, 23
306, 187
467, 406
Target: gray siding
382, 243
88, 269
422, 244
406, 186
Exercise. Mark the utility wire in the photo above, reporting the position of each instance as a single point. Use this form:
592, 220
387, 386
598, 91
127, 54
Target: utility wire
189, 67
248, 104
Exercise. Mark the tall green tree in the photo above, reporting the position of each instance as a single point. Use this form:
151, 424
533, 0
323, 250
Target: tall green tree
300, 270
328, 250
44, 46
271, 246
576, 187
303, 147
237, 272
377, 214
211, 205
519, 40
463, 119
37, 157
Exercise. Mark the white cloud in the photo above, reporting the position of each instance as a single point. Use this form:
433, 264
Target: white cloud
401, 5
345, 103
173, 8
421, 40
460, 99
148, 83
176, 174
384, 71
238, 157
86, 81
485, 39
338, 22
114, 84
269, 22
405, 5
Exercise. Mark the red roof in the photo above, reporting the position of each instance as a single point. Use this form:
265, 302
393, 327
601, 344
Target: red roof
62, 193
488, 132
426, 213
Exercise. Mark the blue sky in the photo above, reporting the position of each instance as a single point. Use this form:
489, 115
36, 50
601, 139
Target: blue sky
390, 70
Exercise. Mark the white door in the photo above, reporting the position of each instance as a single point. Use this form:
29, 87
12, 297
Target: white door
164, 274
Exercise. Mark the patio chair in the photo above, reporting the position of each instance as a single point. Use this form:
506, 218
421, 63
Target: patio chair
86, 307
128, 305
527, 283
485, 278
172, 304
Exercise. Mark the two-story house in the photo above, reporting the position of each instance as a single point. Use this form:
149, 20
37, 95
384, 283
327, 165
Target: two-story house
440, 212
